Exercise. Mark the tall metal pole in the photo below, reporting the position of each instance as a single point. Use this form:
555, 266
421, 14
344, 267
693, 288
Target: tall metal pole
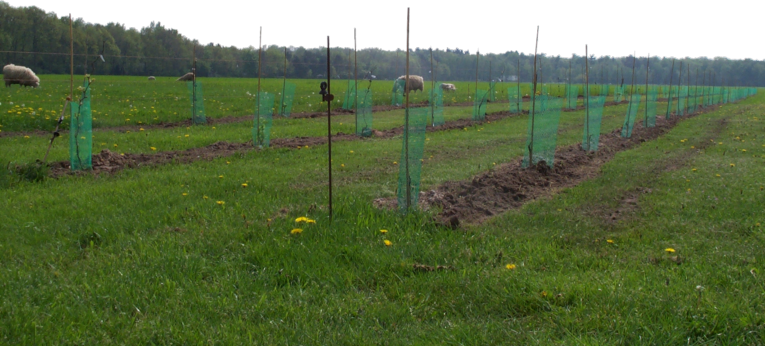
647, 66
406, 126
329, 128
587, 96
533, 99
669, 99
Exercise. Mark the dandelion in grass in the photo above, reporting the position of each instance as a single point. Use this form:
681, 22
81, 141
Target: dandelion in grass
733, 165
220, 202
26, 137
301, 219
510, 266
669, 250
296, 231
694, 170
610, 241
383, 231
342, 165
205, 197
220, 176
185, 194
115, 145
310, 221
153, 149
743, 150
717, 175
244, 185
186, 136
141, 129
387, 242
395, 163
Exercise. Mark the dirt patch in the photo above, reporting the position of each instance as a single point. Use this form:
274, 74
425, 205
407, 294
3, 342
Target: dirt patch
510, 186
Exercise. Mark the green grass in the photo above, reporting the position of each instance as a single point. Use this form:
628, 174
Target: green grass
130, 259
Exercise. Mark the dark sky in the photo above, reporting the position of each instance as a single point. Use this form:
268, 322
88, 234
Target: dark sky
616, 28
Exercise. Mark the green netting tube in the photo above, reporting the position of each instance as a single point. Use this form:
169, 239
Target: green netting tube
350, 95
629, 119
288, 98
197, 103
492, 91
591, 136
261, 129
436, 106
479, 105
618, 93
81, 132
681, 101
397, 95
572, 95
604, 89
650, 109
516, 99
364, 114
543, 124
669, 103
412, 148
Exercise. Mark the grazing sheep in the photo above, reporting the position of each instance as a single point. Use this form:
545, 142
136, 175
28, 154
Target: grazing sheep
448, 86
185, 78
152, 78
415, 83
21, 75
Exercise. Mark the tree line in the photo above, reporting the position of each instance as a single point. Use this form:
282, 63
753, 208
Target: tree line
31, 37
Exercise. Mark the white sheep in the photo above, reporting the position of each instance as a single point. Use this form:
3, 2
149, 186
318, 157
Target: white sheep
187, 77
21, 75
152, 78
448, 86
415, 83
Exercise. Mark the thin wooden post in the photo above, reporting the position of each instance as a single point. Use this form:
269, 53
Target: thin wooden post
194, 84
355, 81
477, 55
569, 78
518, 79
533, 99
632, 89
669, 97
679, 82
284, 83
71, 60
260, 69
432, 91
587, 97
329, 128
406, 128
696, 92
647, 66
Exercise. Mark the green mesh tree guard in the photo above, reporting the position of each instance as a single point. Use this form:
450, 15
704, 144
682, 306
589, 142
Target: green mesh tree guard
288, 98
197, 102
591, 136
436, 106
604, 89
479, 105
618, 93
572, 95
492, 91
81, 131
397, 95
264, 111
543, 129
629, 119
650, 108
364, 113
681, 101
410, 165
516, 99
350, 95
670, 98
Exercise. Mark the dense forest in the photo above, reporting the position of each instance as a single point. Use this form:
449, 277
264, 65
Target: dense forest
31, 37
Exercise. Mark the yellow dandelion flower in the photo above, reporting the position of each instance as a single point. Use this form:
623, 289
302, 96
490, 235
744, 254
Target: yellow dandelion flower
205, 197
733, 165
310, 221
296, 231
141, 129
220, 176
26, 137
669, 250
351, 151
301, 219
610, 241
694, 170
185, 194
395, 163
544, 294
244, 185
115, 145
717, 175
153, 148
220, 202
510, 266
743, 150
342, 165
186, 136
383, 231
387, 242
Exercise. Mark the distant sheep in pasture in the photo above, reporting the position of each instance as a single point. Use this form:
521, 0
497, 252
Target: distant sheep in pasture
448, 86
187, 77
415, 83
152, 78
21, 75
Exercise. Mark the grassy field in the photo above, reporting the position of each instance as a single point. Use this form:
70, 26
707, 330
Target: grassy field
120, 100
203, 253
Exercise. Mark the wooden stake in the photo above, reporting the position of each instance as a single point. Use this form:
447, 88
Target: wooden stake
432, 91
284, 83
520, 97
477, 55
669, 98
647, 66
679, 82
533, 99
260, 69
71, 60
406, 126
329, 128
632, 89
569, 77
194, 84
355, 81
587, 97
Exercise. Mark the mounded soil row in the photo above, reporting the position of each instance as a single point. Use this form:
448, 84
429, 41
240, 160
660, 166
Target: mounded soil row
510, 186
109, 162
